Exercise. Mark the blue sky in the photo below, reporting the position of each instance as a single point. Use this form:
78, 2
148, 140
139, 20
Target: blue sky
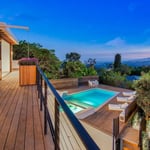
94, 28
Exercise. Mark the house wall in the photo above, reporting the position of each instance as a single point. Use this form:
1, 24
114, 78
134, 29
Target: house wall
15, 65
103, 140
5, 56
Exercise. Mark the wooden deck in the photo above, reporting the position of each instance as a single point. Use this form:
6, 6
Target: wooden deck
21, 122
130, 139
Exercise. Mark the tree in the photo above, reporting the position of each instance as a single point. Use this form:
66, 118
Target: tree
20, 50
73, 56
72, 66
124, 69
117, 61
142, 87
49, 63
75, 69
91, 62
111, 77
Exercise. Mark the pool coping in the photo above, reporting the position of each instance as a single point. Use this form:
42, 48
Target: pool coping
86, 110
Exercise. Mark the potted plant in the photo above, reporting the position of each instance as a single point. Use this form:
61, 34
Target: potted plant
27, 71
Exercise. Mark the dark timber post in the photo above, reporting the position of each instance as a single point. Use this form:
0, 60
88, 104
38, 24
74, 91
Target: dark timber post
56, 125
37, 74
38, 81
41, 92
142, 128
45, 108
115, 132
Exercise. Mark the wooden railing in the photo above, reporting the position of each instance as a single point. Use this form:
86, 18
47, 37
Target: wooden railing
67, 132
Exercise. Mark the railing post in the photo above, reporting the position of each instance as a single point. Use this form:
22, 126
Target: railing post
115, 133
56, 125
37, 74
148, 143
37, 80
142, 128
41, 93
45, 108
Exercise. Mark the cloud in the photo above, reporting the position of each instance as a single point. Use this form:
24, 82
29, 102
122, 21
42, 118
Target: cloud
101, 52
135, 52
117, 42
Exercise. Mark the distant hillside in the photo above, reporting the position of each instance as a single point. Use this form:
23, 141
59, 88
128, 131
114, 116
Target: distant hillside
134, 63
138, 62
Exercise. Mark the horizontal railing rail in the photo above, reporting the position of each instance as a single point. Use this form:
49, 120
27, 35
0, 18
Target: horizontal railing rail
53, 115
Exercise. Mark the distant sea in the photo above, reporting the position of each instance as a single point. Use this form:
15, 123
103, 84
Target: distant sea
133, 63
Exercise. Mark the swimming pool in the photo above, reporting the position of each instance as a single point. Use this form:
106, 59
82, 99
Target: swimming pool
73, 107
90, 98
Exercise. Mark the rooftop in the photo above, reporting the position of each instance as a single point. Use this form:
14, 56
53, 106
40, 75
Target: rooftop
6, 34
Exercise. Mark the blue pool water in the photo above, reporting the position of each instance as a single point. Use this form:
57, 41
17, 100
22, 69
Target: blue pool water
74, 108
90, 98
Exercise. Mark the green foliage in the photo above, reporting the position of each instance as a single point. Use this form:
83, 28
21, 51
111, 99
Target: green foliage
145, 141
124, 69
74, 69
139, 70
49, 63
72, 56
21, 50
135, 121
91, 71
112, 78
91, 62
117, 61
142, 87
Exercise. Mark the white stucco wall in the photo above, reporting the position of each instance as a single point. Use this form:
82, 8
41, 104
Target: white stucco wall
103, 140
5, 48
15, 65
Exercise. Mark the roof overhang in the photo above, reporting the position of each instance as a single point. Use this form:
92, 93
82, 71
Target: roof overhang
6, 35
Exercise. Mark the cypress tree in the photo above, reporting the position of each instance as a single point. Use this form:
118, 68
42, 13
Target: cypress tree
117, 61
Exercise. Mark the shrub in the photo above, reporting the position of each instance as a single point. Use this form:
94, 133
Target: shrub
145, 145
112, 78
28, 61
142, 87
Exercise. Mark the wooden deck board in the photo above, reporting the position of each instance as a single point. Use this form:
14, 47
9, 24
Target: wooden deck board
20, 137
39, 143
20, 117
29, 137
6, 117
10, 143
